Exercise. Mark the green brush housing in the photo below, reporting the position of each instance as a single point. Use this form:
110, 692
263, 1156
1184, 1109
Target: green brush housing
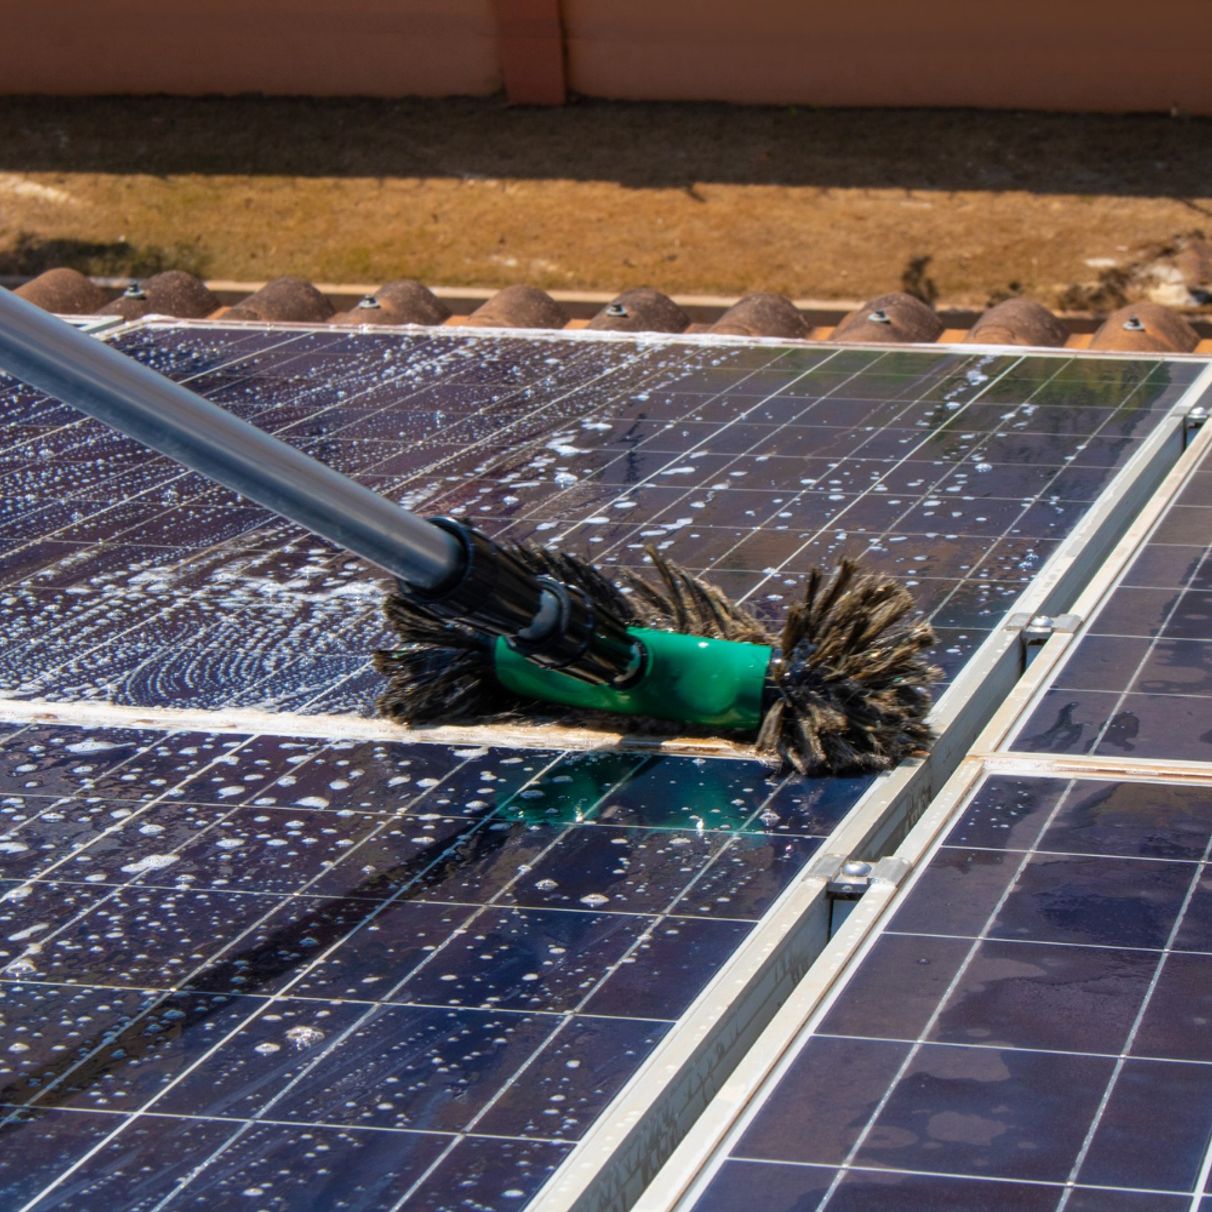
720, 683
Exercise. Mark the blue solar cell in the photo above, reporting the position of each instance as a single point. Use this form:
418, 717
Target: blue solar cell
669, 968
1101, 818
1136, 725
381, 951
277, 1165
92, 846
482, 1172
573, 1077
1174, 1023
522, 959
897, 993
642, 869
138, 936
956, 892
1195, 933
1034, 1135
1125, 1148
1038, 995
51, 1142
417, 1067
1099, 1199
1097, 900
747, 876
823, 1101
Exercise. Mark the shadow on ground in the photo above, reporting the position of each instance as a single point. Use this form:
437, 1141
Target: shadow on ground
28, 254
640, 145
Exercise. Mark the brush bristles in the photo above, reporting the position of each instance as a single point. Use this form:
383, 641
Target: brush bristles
849, 691
851, 683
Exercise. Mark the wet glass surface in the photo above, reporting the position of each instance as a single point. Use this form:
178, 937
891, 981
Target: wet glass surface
307, 948
1036, 1006
367, 974
125, 579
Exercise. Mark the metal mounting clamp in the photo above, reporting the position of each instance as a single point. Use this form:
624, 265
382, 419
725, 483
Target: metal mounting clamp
851, 881
1035, 630
847, 879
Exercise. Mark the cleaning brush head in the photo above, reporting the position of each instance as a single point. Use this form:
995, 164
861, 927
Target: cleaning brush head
843, 689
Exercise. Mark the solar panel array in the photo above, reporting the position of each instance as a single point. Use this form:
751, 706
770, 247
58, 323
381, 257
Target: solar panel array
303, 945
385, 971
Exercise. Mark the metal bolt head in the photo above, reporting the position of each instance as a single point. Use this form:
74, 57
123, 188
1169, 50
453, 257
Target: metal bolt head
134, 291
1039, 629
879, 316
369, 303
851, 880
616, 309
1134, 324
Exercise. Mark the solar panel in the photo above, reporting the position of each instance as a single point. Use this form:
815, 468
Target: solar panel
1017, 1032
472, 951
748, 461
307, 946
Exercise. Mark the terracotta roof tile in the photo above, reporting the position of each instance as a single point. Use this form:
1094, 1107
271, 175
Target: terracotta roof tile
1143, 327
1146, 328
172, 293
519, 307
1018, 322
641, 309
762, 315
284, 299
66, 291
400, 302
893, 317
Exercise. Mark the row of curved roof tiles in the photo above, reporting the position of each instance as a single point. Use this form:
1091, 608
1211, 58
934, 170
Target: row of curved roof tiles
1140, 327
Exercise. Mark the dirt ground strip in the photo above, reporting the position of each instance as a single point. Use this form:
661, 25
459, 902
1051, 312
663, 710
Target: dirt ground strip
963, 207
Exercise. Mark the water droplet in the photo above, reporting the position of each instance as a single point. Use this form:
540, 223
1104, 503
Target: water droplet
304, 1037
